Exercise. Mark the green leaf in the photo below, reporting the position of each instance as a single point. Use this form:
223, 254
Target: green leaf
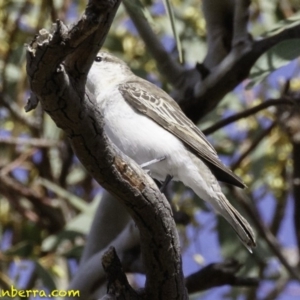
170, 13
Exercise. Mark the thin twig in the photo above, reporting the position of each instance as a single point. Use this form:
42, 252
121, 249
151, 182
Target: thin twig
281, 205
33, 142
168, 67
17, 112
296, 190
13, 198
246, 113
253, 145
229, 73
218, 274
17, 162
264, 231
277, 290
51, 217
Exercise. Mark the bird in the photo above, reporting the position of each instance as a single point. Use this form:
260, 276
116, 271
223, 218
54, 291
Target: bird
146, 124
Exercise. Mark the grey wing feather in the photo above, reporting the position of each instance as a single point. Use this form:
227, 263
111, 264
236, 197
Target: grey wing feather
166, 112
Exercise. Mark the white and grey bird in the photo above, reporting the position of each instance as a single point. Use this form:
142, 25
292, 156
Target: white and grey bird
146, 124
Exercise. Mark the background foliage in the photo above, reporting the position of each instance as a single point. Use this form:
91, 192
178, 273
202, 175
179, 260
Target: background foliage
47, 199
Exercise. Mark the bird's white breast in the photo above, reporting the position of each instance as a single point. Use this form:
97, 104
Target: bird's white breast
138, 136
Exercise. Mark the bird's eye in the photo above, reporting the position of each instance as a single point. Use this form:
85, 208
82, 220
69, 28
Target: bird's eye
98, 58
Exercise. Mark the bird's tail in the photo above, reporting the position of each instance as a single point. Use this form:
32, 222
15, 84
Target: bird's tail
198, 176
239, 223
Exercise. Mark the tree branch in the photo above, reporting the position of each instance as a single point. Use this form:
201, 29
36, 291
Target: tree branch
179, 77
289, 120
296, 190
167, 66
277, 290
229, 73
218, 274
118, 284
197, 96
60, 87
246, 113
16, 112
33, 142
52, 218
264, 231
281, 205
253, 145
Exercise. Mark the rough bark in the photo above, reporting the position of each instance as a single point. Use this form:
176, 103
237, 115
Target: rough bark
57, 66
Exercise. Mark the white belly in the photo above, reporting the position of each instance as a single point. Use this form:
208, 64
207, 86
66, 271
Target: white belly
141, 138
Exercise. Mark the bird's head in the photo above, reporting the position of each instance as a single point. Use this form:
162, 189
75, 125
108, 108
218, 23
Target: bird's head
106, 71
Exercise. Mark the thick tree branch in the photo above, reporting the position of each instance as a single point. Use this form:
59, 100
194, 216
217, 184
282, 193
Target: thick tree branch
240, 22
230, 72
197, 96
60, 89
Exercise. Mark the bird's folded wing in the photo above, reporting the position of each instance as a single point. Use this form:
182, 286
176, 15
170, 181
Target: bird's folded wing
166, 112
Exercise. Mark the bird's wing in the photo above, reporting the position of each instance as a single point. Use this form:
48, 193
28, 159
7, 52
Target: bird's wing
162, 109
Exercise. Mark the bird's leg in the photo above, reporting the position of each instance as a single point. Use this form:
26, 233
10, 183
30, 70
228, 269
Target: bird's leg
151, 162
154, 161
165, 183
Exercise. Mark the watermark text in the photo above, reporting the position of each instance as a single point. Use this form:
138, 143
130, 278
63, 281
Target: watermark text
14, 292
